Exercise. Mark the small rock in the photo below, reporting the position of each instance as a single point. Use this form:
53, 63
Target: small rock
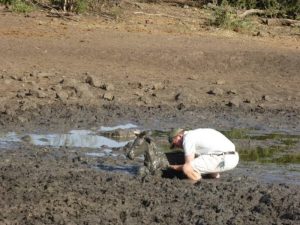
28, 104
83, 91
139, 85
145, 99
234, 102
220, 82
261, 106
32, 83
42, 74
250, 100
192, 78
107, 87
266, 98
56, 88
21, 94
186, 97
180, 106
62, 95
14, 77
178, 96
93, 80
157, 86
72, 83
22, 119
216, 91
139, 93
108, 96
41, 94
232, 91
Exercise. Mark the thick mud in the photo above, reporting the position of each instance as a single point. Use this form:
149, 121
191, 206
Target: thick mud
43, 182
48, 186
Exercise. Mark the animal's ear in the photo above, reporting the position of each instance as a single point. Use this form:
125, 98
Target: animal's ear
137, 133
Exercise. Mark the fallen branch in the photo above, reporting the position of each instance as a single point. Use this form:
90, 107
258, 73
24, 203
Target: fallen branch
252, 12
63, 15
281, 22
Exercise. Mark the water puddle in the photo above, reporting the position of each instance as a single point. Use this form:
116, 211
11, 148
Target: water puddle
74, 138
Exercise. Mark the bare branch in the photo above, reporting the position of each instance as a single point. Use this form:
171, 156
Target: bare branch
252, 12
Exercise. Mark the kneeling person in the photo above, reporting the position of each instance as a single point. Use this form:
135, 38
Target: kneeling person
206, 151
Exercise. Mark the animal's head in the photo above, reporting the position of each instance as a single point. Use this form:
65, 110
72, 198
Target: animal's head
139, 145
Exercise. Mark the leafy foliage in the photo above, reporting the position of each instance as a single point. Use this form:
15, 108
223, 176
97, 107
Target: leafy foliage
282, 8
226, 18
20, 6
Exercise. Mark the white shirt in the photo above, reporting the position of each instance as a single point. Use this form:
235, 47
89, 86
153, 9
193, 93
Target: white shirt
205, 140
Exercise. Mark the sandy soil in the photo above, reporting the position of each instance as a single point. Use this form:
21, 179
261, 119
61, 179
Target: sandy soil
59, 74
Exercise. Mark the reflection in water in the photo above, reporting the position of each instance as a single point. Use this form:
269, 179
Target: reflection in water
126, 126
75, 138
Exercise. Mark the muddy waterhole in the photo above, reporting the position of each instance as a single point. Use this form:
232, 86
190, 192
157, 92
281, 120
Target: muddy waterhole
270, 157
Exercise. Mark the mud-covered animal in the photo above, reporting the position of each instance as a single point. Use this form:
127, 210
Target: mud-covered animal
154, 159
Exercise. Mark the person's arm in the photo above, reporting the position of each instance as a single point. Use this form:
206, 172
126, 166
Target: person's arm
188, 159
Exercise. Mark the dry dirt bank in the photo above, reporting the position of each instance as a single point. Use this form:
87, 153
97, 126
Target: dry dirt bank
50, 63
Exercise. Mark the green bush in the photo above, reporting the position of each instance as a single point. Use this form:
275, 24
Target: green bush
78, 6
5, 2
21, 6
226, 18
18, 5
282, 8
81, 6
